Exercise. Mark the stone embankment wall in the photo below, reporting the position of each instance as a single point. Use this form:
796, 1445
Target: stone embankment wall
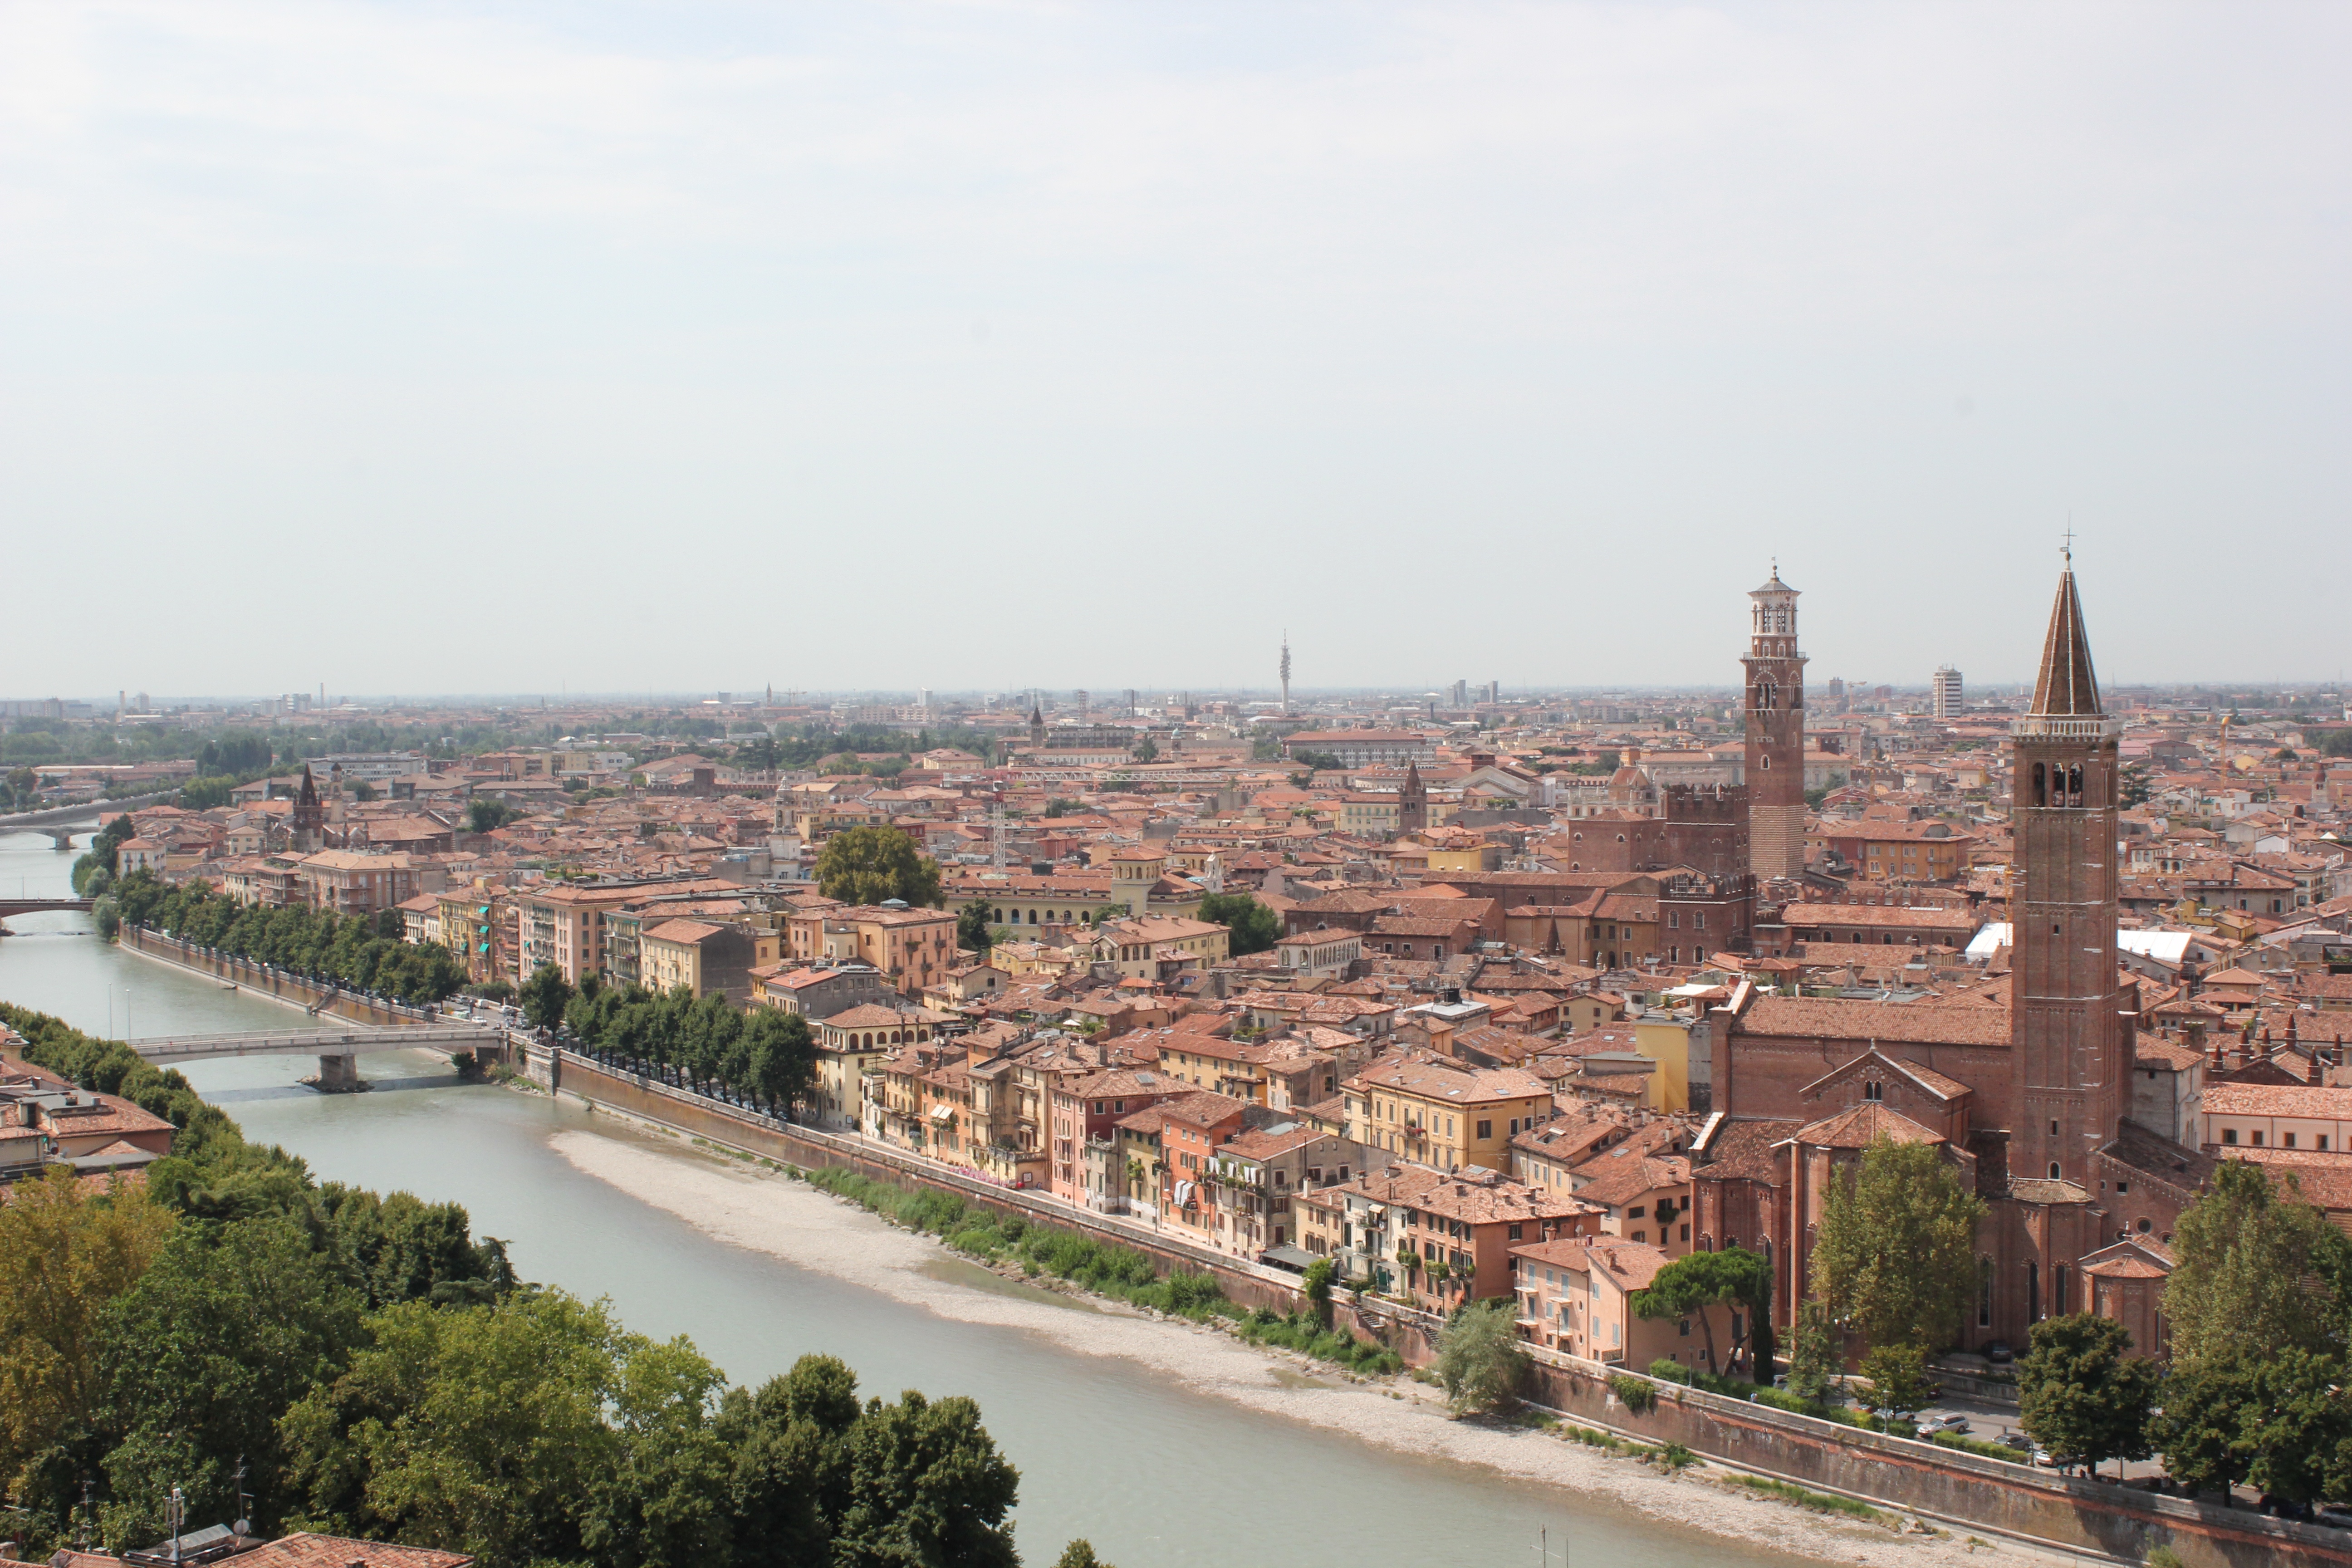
571, 1073
317, 1000
1964, 1489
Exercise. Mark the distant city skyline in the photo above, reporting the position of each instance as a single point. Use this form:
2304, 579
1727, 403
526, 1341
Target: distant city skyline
971, 346
1060, 700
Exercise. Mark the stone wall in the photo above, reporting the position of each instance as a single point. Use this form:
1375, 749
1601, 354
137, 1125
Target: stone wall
568, 1072
251, 977
1964, 1489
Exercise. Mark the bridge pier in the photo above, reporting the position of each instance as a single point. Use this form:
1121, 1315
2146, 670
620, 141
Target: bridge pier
338, 1075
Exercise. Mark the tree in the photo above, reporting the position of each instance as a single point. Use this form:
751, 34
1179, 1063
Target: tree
1896, 1258
972, 926
1146, 750
1479, 1358
545, 995
230, 1325
64, 1256
487, 816
1250, 925
2081, 1395
1080, 1555
1689, 1286
95, 870
483, 1431
779, 1058
1318, 761
926, 1485
1815, 1358
2241, 1252
1320, 1275
2258, 1301
1898, 1376
873, 865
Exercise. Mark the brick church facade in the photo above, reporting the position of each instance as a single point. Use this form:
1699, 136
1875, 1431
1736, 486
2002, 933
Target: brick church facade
2027, 1099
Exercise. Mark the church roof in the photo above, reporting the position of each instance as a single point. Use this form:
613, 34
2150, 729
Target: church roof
1775, 586
1903, 1023
1863, 1125
2047, 1190
2129, 1259
1935, 1083
2067, 688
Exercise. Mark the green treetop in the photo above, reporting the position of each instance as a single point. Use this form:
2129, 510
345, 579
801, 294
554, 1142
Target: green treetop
1896, 1255
874, 864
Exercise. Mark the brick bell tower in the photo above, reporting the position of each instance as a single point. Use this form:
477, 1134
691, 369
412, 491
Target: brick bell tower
1776, 733
2070, 1044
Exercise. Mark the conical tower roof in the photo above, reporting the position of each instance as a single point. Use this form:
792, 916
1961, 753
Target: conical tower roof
2067, 688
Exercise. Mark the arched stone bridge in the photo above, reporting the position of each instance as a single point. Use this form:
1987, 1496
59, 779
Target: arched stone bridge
337, 1050
61, 823
36, 906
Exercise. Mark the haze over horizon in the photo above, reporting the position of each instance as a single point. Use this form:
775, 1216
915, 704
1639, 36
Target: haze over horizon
482, 348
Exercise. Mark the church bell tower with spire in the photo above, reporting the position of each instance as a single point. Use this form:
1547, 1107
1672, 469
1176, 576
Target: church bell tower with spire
1776, 733
2069, 1032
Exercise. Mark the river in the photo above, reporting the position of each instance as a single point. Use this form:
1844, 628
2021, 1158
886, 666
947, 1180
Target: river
1156, 1474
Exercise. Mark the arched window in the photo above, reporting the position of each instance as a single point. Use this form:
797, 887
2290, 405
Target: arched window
1765, 761
2053, 1170
2040, 786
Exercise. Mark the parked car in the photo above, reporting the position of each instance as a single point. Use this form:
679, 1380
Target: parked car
1999, 1353
2017, 1440
1947, 1423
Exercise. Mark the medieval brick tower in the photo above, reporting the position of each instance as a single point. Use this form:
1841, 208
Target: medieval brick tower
310, 824
1776, 733
2069, 1034
1412, 801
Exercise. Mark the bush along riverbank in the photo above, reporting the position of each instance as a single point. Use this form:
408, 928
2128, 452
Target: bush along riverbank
1011, 1244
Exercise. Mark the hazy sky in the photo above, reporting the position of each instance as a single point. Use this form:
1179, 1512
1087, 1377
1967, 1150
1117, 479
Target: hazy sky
448, 348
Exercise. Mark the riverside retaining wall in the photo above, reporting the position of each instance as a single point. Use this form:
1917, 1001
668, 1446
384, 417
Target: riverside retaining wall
314, 999
569, 1072
1964, 1489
